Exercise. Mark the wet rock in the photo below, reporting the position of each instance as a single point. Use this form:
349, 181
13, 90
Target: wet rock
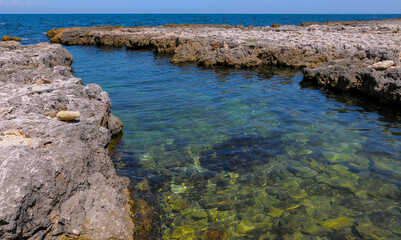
390, 190
244, 227
369, 231
218, 234
177, 202
58, 180
338, 223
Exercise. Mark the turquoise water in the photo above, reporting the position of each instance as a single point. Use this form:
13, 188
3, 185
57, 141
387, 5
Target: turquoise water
224, 153
220, 153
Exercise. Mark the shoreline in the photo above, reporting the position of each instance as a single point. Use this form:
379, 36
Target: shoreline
358, 56
58, 180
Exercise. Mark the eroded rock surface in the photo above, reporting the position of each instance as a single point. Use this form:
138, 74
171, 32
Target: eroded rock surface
310, 45
56, 179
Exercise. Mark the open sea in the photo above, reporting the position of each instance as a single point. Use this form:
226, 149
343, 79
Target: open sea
223, 153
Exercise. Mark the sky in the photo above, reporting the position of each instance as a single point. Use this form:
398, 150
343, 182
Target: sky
201, 6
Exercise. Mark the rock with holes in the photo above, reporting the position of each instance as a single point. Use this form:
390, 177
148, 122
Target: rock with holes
57, 180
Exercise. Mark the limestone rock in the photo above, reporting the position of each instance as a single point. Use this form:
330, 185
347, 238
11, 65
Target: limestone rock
383, 65
67, 115
58, 181
338, 55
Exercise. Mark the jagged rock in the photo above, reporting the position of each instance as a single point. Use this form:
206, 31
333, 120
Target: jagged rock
57, 180
357, 76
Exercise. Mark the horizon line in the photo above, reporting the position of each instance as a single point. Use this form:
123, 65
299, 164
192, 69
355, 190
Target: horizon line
212, 13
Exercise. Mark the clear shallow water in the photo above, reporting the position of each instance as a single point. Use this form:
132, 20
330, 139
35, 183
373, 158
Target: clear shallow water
235, 154
222, 153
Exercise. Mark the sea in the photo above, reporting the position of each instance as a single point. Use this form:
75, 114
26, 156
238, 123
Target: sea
225, 153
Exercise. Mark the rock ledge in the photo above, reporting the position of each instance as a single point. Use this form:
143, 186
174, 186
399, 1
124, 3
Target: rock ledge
338, 55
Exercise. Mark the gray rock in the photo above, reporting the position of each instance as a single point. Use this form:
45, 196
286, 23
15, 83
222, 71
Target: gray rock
336, 53
56, 177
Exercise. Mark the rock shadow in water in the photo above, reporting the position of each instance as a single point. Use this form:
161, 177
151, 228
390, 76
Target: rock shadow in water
241, 154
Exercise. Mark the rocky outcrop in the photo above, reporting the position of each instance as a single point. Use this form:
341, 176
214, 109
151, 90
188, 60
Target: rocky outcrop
8, 38
381, 81
56, 178
324, 48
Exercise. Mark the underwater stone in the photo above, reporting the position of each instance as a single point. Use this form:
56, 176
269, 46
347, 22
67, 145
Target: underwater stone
178, 203
178, 188
241, 154
389, 190
370, 231
338, 223
198, 214
275, 212
312, 229
244, 226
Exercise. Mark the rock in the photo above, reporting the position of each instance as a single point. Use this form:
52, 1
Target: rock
383, 65
58, 181
369, 231
337, 55
338, 223
276, 25
275, 212
244, 227
357, 76
115, 125
67, 115
199, 214
8, 38
178, 203
10, 45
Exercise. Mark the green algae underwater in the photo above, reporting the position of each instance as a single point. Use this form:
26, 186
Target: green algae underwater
217, 153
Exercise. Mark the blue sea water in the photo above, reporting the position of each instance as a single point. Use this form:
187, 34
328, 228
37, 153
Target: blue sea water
32, 27
222, 153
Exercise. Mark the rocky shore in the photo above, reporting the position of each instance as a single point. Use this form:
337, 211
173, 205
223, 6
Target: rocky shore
56, 178
361, 57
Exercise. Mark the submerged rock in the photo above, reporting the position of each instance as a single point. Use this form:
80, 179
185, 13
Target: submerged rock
240, 154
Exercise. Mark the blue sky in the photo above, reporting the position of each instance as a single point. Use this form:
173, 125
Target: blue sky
200, 6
